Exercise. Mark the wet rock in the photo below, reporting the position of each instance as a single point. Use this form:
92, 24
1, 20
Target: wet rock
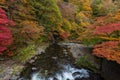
82, 79
55, 79
14, 77
35, 57
55, 58
34, 68
40, 51
32, 61
76, 73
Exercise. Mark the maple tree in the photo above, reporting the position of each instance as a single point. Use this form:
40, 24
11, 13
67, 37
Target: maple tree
104, 35
6, 38
28, 29
107, 29
109, 50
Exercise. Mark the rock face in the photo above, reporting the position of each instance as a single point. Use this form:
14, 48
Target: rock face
80, 50
110, 70
9, 69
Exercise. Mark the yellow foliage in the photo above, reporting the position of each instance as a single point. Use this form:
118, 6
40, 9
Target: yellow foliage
83, 19
60, 29
74, 26
117, 16
84, 23
86, 4
66, 25
110, 38
80, 15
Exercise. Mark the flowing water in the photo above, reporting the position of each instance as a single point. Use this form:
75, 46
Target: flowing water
56, 63
67, 73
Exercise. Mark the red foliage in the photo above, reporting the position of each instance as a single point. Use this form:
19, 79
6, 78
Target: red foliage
109, 50
5, 34
107, 29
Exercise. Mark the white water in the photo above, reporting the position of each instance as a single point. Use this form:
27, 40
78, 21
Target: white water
68, 73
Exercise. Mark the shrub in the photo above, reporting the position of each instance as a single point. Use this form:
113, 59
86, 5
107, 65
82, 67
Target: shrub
6, 38
109, 50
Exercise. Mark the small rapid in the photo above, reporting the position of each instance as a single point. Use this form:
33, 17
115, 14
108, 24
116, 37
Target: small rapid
67, 73
56, 63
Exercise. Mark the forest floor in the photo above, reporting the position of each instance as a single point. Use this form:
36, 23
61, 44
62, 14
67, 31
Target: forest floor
10, 68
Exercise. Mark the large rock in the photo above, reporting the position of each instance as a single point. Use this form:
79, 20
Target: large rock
110, 70
80, 50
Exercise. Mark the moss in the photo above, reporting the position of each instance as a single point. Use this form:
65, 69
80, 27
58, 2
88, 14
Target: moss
84, 62
25, 53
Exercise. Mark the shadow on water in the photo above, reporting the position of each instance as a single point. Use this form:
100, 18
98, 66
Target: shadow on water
52, 62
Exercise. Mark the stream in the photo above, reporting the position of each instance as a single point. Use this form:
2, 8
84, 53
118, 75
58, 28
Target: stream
56, 63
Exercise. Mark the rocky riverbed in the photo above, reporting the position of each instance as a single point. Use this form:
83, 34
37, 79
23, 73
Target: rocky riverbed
10, 68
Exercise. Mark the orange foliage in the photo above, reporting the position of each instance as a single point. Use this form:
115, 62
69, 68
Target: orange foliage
109, 50
65, 35
117, 16
110, 38
2, 1
31, 31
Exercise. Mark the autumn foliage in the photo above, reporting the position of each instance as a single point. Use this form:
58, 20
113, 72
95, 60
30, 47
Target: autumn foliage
109, 50
5, 33
107, 29
92, 21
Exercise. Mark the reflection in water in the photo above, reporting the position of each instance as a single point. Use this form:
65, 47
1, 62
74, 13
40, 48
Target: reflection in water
54, 64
